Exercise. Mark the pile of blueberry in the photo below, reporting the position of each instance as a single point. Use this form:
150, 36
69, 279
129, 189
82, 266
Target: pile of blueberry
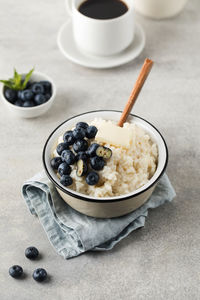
76, 149
34, 94
39, 274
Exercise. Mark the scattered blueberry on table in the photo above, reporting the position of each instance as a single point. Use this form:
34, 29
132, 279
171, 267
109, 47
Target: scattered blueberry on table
39, 275
31, 252
20, 91
77, 149
16, 271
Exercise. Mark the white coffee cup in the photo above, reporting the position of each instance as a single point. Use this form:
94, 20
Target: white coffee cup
159, 9
101, 37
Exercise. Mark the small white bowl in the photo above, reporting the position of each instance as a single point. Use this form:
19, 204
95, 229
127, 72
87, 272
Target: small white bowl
108, 207
35, 111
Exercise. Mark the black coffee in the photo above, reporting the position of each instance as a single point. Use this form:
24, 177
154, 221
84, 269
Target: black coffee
103, 9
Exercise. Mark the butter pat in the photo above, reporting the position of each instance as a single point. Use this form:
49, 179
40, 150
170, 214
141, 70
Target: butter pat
114, 135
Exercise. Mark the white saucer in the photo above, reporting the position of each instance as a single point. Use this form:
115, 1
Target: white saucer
70, 50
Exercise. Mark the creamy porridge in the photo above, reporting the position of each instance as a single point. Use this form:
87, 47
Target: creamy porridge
126, 170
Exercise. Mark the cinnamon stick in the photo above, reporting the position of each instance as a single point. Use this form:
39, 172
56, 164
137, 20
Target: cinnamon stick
146, 68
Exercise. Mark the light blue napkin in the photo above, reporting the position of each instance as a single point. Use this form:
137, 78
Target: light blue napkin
72, 233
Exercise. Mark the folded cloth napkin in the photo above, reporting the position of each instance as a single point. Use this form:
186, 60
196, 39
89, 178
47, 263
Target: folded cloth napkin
72, 233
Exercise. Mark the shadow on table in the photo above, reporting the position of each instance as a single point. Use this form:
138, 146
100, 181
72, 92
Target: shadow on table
157, 220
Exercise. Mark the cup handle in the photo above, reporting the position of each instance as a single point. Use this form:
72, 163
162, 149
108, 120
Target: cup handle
68, 6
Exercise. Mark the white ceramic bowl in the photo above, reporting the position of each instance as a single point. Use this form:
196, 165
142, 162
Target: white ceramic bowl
112, 206
159, 9
31, 112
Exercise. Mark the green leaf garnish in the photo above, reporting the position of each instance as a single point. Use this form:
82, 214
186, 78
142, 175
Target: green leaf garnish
17, 79
7, 83
17, 82
27, 77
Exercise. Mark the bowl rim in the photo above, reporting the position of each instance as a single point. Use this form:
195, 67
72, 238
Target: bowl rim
109, 199
37, 107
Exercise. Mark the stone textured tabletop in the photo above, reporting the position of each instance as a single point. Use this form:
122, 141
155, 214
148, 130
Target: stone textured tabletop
160, 261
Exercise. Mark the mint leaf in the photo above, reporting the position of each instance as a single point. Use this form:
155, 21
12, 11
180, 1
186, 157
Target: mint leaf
15, 74
17, 80
7, 83
27, 77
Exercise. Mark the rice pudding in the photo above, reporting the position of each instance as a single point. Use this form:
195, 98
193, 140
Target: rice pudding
125, 171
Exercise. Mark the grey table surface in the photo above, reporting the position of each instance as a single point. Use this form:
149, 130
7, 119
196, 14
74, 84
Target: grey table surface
160, 261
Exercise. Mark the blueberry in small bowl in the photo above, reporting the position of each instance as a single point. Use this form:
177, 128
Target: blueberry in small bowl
28, 95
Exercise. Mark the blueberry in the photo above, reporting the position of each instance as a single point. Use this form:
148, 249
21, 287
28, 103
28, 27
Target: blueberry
31, 252
92, 178
68, 157
92, 149
100, 151
79, 133
82, 125
66, 180
97, 163
39, 99
68, 137
16, 271
10, 95
32, 84
19, 95
47, 86
18, 102
82, 168
37, 88
91, 132
25, 95
40, 274
28, 104
64, 169
82, 155
104, 152
28, 85
55, 162
47, 96
61, 147
80, 145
